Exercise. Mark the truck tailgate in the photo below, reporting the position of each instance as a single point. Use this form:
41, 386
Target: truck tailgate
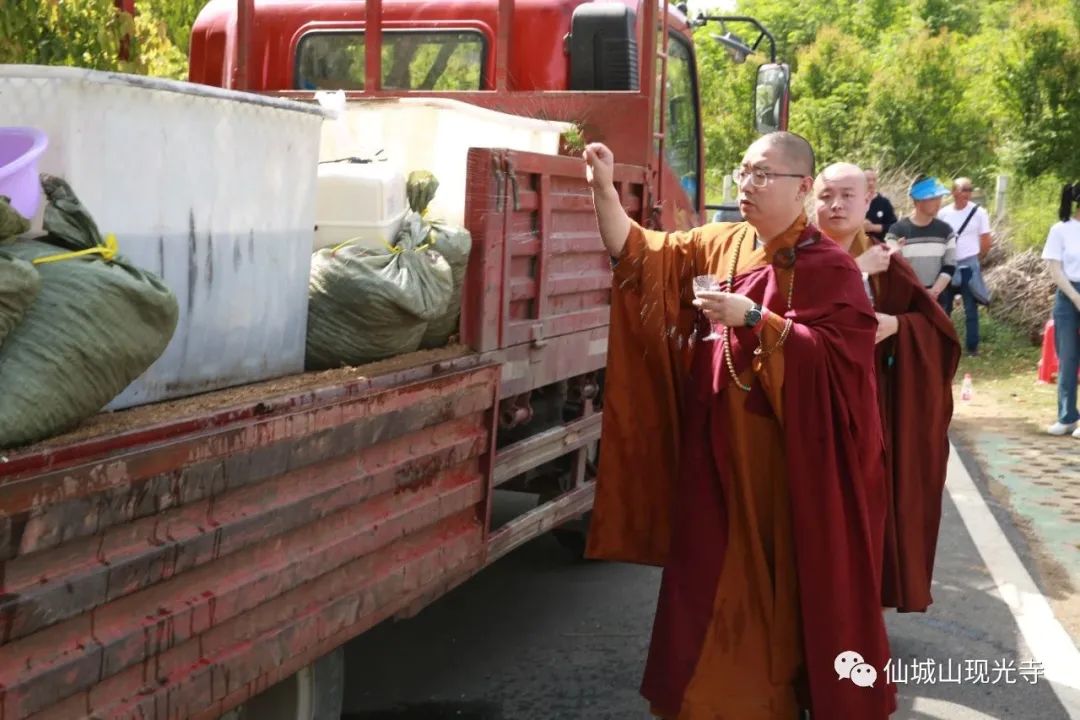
538, 270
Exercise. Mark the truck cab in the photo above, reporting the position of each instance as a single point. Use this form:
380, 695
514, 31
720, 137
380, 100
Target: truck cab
571, 60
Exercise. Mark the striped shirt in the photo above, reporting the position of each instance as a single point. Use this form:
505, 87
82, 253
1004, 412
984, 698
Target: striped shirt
930, 249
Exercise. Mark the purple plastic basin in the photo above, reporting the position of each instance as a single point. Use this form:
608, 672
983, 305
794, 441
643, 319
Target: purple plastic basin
20, 148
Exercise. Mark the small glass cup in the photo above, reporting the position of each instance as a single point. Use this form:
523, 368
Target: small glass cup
708, 283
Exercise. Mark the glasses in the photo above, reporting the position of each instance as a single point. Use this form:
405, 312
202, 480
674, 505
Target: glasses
758, 177
963, 189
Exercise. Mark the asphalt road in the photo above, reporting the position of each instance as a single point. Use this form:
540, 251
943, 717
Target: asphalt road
538, 636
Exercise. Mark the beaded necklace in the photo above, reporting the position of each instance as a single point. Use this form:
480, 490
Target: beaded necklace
789, 258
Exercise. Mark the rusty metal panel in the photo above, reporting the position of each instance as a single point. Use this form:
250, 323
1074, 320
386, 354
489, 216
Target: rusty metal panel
481, 299
52, 456
207, 562
88, 497
539, 269
528, 366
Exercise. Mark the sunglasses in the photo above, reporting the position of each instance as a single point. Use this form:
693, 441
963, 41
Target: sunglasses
967, 189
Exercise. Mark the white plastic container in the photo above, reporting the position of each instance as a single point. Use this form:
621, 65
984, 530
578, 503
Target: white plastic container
434, 134
359, 201
214, 190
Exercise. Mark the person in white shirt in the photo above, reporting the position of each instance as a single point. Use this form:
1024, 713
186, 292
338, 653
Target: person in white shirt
972, 227
1062, 254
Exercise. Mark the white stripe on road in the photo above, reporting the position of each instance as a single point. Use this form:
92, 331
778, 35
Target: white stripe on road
1047, 640
944, 710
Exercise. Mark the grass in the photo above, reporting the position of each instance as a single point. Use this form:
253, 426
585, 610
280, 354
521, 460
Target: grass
1004, 376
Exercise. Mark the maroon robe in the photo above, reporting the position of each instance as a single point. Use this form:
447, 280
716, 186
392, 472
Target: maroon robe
915, 369
835, 472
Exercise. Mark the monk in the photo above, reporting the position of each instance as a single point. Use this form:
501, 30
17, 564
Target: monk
749, 467
917, 356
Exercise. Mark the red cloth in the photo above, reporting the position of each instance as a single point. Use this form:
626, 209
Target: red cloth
835, 461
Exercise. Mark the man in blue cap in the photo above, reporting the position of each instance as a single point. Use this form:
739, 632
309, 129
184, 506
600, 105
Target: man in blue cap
928, 244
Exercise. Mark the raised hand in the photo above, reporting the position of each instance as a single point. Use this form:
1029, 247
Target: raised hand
599, 166
876, 259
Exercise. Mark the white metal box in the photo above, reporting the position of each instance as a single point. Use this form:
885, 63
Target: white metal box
214, 190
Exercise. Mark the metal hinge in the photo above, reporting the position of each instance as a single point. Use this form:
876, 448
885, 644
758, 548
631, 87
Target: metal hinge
537, 333
504, 169
497, 162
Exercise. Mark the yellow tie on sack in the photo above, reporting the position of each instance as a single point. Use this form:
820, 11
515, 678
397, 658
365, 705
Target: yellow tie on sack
107, 252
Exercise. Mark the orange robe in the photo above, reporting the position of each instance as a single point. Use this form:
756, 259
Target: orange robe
752, 654
746, 657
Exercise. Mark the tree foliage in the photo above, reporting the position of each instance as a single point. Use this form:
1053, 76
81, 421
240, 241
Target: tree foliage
831, 85
972, 87
1039, 85
919, 117
95, 34
727, 107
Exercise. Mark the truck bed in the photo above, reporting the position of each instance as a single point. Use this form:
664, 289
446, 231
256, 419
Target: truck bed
173, 560
232, 403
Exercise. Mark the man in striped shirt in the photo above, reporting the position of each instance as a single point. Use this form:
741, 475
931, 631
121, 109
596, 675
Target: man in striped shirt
927, 243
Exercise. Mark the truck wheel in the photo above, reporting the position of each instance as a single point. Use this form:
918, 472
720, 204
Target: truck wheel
314, 692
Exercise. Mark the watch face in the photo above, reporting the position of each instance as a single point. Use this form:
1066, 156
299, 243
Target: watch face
753, 317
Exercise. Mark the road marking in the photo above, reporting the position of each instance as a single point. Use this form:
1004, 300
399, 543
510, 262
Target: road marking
1047, 640
943, 710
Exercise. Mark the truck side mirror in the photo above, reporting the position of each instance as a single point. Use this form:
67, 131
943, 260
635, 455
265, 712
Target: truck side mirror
603, 47
771, 98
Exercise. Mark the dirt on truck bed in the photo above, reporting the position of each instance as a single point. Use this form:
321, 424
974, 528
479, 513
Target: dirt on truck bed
138, 418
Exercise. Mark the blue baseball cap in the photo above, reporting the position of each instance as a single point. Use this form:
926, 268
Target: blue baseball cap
927, 189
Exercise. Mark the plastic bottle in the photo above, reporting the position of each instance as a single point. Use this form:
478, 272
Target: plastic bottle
967, 389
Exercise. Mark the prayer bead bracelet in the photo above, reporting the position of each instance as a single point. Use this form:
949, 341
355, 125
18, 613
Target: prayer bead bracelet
763, 353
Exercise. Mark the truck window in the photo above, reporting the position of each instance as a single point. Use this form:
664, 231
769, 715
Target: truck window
411, 60
681, 116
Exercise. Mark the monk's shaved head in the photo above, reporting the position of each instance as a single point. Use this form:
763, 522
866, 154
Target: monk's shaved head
794, 149
842, 173
841, 199
776, 175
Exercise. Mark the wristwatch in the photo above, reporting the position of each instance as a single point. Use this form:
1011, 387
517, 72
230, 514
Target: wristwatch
753, 316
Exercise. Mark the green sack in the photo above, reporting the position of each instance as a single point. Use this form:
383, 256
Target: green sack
19, 285
11, 222
94, 327
453, 243
365, 305
19, 281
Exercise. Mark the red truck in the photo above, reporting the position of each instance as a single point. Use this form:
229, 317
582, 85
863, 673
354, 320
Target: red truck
211, 556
